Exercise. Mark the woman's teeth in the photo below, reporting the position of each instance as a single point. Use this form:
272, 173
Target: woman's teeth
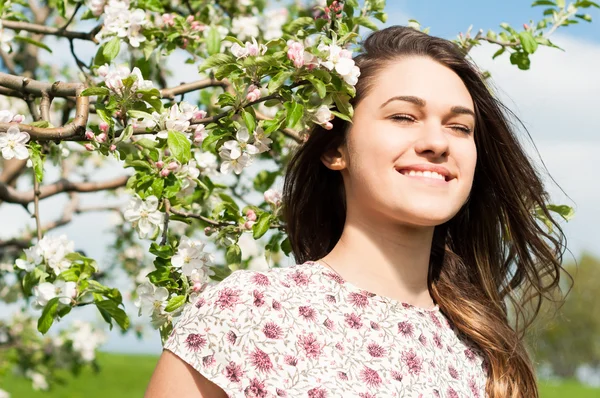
428, 174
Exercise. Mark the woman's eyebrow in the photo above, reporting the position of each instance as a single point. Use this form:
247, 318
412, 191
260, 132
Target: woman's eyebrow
457, 109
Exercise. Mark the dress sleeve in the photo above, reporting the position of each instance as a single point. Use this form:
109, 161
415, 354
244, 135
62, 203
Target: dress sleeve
212, 332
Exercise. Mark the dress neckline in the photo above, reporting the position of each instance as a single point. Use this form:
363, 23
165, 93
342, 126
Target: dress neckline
351, 287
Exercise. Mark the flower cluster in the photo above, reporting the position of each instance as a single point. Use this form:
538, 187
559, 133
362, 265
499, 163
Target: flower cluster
85, 339
245, 27
123, 22
145, 216
50, 251
113, 78
192, 259
249, 49
237, 154
178, 118
46, 291
341, 60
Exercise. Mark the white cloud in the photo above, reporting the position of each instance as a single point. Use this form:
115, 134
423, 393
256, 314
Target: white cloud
557, 100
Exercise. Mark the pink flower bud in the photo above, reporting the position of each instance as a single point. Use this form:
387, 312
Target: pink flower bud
173, 166
272, 196
101, 138
251, 215
328, 126
160, 164
253, 93
103, 127
200, 114
112, 148
89, 135
197, 286
168, 19
18, 118
197, 26
185, 43
165, 172
189, 19
89, 147
248, 224
525, 26
208, 231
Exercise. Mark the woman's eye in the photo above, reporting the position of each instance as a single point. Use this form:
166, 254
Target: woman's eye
462, 129
402, 118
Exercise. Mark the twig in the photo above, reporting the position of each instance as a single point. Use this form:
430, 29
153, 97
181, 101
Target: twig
166, 225
36, 204
45, 105
72, 16
202, 218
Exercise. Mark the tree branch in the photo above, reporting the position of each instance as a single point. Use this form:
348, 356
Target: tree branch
10, 195
50, 30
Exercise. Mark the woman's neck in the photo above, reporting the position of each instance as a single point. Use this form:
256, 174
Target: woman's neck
388, 260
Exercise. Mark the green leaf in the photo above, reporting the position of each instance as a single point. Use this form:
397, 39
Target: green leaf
528, 42
111, 308
278, 80
341, 116
233, 40
48, 314
286, 246
543, 3
34, 42
298, 24
234, 254
566, 212
262, 225
125, 135
179, 146
294, 113
161, 251
213, 41
174, 303
111, 49
366, 22
37, 158
520, 59
585, 17
264, 179
319, 86
560, 3
342, 102
95, 91
249, 121
499, 52
216, 60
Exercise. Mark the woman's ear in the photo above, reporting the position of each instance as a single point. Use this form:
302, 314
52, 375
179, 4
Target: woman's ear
335, 158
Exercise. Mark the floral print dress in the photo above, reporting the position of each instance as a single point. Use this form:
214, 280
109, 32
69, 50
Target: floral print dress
302, 331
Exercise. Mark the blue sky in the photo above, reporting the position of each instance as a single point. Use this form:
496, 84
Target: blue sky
556, 99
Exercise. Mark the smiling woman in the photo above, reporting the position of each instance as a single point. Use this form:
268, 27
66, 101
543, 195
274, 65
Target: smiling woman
413, 228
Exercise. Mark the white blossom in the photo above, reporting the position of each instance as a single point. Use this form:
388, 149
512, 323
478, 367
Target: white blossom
249, 49
245, 26
38, 379
86, 340
323, 116
119, 20
273, 196
236, 164
54, 250
144, 215
274, 20
341, 60
34, 257
206, 162
46, 291
96, 6
113, 78
261, 141
6, 37
4, 394
12, 143
151, 299
191, 257
7, 116
178, 119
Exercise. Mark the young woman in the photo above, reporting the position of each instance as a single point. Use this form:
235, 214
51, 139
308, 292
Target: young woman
414, 234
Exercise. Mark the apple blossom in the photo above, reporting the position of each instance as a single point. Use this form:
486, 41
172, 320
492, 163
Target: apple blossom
96, 6
245, 26
273, 196
85, 340
7, 116
236, 164
89, 147
168, 19
38, 379
323, 116
34, 257
144, 215
12, 143
46, 291
191, 257
249, 49
119, 20
206, 162
296, 53
165, 172
274, 21
251, 215
341, 60
151, 299
261, 141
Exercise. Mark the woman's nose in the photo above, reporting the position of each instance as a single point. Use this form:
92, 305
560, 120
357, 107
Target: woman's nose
432, 141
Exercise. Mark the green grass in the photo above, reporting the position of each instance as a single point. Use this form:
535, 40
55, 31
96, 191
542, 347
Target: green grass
126, 376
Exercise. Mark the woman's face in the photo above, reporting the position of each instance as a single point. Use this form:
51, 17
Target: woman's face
410, 155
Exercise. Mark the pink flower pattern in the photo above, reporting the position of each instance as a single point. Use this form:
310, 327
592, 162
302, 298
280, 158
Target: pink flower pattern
302, 331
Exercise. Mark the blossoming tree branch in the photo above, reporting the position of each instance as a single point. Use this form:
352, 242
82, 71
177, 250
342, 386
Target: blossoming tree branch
192, 170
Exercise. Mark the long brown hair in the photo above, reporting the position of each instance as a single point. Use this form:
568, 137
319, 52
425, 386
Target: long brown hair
491, 259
